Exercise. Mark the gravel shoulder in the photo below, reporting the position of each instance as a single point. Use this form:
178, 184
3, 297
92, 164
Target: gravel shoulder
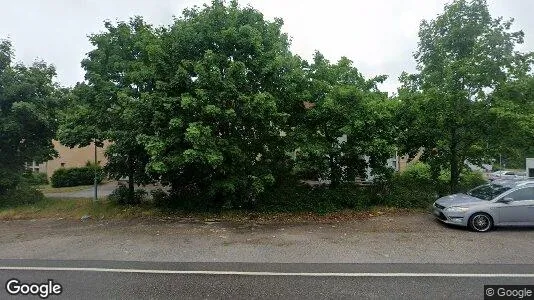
391, 238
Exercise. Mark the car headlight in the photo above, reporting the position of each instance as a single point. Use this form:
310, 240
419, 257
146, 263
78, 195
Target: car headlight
457, 209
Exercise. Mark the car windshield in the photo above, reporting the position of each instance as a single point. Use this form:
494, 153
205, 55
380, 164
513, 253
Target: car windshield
488, 191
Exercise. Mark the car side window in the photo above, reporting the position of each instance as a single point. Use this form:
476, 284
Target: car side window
522, 194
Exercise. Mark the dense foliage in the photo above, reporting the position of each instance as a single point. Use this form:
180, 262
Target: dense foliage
35, 178
349, 126
415, 187
463, 56
29, 101
108, 106
216, 107
121, 195
225, 81
20, 195
76, 176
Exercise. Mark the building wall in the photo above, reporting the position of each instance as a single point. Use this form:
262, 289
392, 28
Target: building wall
403, 161
70, 158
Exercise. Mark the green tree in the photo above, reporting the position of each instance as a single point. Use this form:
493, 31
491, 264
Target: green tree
462, 56
227, 83
29, 100
110, 105
512, 118
348, 120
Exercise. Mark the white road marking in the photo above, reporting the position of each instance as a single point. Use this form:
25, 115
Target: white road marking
248, 273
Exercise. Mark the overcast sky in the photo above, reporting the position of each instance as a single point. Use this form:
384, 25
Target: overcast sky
378, 35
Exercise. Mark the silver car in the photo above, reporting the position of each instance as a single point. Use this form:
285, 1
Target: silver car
507, 175
500, 203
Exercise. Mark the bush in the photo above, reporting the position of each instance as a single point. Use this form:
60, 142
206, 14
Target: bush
191, 198
76, 176
412, 188
35, 178
121, 195
21, 195
294, 196
468, 180
160, 198
9, 180
417, 172
288, 196
415, 188
472, 179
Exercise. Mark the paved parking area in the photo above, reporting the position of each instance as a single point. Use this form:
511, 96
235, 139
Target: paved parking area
104, 190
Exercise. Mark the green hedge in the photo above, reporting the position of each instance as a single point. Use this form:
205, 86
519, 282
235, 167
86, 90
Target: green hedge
414, 188
76, 176
468, 180
35, 178
21, 195
288, 196
121, 195
293, 196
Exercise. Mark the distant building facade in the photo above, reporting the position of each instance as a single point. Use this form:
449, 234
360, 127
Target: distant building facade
70, 158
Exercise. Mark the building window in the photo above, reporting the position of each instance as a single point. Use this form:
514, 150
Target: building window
62, 165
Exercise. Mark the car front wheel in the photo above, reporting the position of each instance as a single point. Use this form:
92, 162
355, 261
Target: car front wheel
480, 222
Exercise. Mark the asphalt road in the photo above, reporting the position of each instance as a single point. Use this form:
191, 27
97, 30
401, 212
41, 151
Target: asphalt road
151, 280
408, 256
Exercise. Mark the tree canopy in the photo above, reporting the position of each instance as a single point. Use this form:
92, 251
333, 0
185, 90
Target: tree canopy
463, 56
109, 106
226, 82
349, 126
217, 106
29, 101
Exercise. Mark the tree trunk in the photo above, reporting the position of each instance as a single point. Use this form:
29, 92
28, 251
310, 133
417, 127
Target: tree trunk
131, 188
335, 177
131, 182
455, 170
435, 170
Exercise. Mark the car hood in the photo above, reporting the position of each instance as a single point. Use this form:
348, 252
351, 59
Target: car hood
458, 199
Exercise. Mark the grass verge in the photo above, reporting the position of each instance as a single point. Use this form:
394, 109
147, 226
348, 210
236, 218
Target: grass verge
75, 209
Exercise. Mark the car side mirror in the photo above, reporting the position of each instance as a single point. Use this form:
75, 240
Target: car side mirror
507, 200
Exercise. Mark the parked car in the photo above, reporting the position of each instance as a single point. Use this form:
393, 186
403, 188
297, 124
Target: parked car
507, 175
499, 203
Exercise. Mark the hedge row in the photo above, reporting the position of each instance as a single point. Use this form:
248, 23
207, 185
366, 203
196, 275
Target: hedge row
413, 188
76, 176
21, 195
35, 178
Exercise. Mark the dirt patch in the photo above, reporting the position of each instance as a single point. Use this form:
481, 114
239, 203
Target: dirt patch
402, 237
272, 225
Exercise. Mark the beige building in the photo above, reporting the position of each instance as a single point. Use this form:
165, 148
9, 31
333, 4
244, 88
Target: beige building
70, 158
402, 161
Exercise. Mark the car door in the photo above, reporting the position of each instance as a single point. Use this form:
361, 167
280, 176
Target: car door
520, 209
